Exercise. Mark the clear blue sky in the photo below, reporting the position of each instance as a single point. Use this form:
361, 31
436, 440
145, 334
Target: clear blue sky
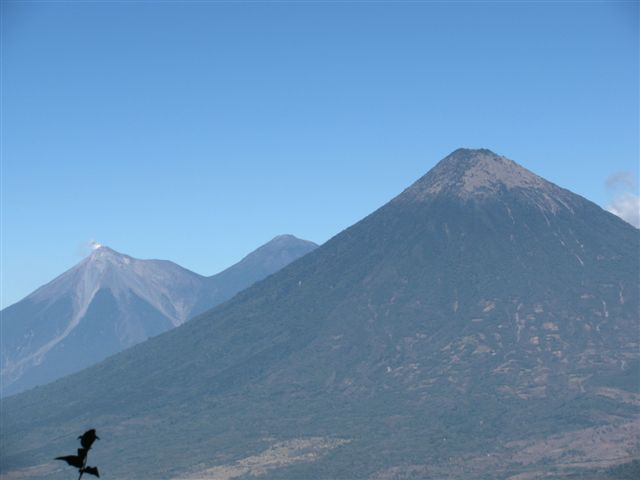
196, 131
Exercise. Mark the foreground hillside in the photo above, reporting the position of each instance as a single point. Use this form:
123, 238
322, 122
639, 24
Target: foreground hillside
483, 324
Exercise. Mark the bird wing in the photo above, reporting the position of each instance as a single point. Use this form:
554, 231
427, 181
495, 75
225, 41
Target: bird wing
92, 471
72, 460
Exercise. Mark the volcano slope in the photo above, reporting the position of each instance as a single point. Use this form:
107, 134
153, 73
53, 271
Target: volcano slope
482, 324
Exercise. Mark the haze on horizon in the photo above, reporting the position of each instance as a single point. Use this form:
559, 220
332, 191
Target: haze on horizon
196, 132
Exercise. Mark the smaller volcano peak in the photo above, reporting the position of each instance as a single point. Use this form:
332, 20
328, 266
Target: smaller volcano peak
288, 239
102, 254
281, 244
285, 237
99, 250
474, 173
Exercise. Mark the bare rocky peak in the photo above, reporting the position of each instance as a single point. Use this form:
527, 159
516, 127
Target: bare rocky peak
480, 174
155, 281
103, 254
282, 245
288, 239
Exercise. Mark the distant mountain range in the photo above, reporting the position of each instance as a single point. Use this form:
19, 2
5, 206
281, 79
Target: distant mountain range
111, 301
481, 325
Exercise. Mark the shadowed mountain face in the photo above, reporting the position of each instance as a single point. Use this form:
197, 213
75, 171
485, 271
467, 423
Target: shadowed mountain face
482, 324
110, 301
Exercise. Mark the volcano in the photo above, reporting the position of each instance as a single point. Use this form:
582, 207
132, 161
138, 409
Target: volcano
482, 324
111, 301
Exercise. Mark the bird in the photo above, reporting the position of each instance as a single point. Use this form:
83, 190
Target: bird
78, 460
88, 437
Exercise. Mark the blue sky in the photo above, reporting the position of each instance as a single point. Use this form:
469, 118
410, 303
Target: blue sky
196, 131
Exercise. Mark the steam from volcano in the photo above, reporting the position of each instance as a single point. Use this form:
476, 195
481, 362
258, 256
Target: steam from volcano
623, 186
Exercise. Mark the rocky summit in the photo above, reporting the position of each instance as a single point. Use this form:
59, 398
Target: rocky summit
481, 325
481, 175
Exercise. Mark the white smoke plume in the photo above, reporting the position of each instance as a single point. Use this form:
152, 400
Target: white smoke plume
94, 245
84, 248
625, 202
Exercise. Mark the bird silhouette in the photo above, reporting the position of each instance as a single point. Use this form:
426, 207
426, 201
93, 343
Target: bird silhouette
88, 437
80, 460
